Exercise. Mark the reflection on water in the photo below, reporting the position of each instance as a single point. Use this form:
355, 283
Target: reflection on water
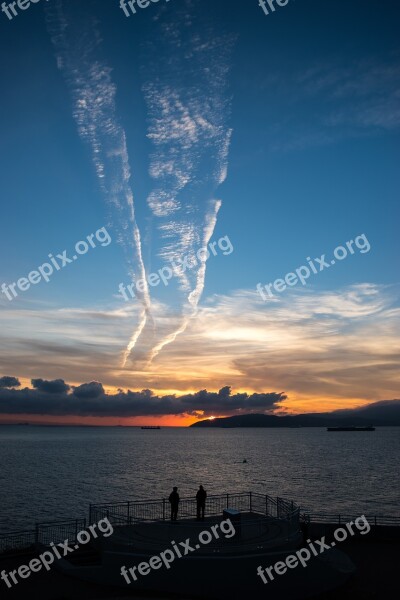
52, 473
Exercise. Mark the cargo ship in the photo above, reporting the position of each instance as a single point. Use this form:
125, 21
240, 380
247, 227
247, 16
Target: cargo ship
354, 428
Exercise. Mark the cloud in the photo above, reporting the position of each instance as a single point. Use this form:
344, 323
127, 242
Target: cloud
9, 382
94, 389
89, 399
57, 386
186, 92
188, 103
77, 44
326, 349
226, 403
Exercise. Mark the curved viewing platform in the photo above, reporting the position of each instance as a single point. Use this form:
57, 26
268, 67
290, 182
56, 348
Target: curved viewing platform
218, 558
278, 511
261, 522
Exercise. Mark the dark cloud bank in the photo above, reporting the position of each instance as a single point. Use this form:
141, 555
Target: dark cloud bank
90, 400
9, 382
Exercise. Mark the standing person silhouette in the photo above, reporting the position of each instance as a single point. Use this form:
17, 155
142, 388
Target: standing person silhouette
201, 503
174, 501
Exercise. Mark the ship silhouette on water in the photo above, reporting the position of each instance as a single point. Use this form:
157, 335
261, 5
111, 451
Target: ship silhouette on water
352, 428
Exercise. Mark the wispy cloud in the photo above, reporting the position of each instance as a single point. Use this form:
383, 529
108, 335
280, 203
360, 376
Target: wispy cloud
185, 87
325, 349
77, 44
188, 107
338, 101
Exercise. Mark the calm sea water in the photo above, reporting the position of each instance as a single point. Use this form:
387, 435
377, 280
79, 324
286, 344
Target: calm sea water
54, 473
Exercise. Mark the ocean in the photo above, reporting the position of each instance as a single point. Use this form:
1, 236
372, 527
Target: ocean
51, 473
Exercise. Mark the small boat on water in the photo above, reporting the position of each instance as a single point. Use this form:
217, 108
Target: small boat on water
150, 427
353, 428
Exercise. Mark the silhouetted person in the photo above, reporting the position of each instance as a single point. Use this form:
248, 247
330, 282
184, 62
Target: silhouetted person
174, 501
201, 503
304, 526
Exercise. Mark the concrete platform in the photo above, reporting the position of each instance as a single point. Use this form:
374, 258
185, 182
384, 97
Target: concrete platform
255, 532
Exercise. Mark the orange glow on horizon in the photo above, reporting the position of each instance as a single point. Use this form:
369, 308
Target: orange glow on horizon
162, 420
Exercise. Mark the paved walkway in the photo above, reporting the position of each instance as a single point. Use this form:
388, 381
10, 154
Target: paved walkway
254, 532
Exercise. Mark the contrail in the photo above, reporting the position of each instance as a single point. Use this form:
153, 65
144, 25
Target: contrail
185, 88
188, 107
195, 294
78, 49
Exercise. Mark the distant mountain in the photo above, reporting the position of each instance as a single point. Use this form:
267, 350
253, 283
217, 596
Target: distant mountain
383, 413
387, 410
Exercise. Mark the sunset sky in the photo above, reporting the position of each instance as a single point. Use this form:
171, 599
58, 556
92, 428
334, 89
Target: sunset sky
274, 136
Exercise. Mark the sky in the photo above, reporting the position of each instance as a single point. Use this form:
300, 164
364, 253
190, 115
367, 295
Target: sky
198, 152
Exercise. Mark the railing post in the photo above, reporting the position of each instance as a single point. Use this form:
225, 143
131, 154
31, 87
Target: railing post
339, 519
36, 533
163, 509
90, 513
76, 530
375, 520
251, 506
266, 505
277, 507
128, 513
227, 501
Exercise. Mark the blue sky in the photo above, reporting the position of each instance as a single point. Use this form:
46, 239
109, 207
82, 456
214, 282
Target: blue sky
302, 109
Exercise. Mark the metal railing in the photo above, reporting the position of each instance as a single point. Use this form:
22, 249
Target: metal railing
338, 519
44, 533
136, 511
128, 512
259, 509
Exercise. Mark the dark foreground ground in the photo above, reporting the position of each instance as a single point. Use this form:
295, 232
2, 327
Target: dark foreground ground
377, 560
